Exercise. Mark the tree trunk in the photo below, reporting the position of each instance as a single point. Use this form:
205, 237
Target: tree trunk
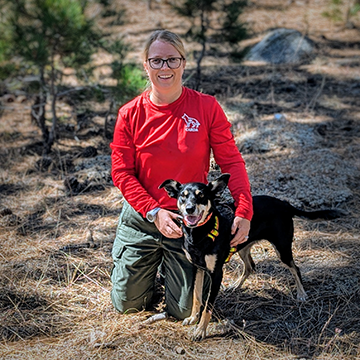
351, 7
198, 66
52, 134
108, 135
202, 53
38, 109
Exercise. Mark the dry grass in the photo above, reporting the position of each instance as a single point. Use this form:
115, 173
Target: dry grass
55, 248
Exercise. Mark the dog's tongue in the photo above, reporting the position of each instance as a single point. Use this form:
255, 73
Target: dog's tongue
192, 220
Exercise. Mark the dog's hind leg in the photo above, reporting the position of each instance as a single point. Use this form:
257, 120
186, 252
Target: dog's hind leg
249, 266
301, 294
197, 299
285, 255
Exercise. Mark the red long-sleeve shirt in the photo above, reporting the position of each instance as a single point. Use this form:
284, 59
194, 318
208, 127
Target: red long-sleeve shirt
154, 143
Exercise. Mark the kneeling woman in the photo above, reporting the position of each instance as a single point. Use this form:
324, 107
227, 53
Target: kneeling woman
168, 132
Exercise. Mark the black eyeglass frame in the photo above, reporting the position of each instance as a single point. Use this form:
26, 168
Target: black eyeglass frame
166, 61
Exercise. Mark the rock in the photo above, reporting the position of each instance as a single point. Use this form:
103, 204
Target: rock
90, 174
315, 178
95, 171
100, 162
282, 46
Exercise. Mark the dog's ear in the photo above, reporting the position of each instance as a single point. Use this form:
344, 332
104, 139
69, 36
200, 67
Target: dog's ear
172, 187
219, 185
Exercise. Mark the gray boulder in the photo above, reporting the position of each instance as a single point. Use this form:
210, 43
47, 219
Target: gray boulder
282, 46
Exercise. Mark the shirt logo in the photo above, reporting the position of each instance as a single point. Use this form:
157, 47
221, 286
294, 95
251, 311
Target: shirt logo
191, 123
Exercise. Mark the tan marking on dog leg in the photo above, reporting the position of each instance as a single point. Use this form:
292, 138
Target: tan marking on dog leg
188, 256
200, 332
301, 294
197, 299
245, 257
210, 262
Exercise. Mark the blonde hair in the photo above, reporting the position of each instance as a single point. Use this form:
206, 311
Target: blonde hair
165, 36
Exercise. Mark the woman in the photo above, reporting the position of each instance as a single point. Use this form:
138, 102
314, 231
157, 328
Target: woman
167, 132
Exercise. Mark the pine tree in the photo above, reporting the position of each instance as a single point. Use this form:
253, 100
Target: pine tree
49, 36
225, 27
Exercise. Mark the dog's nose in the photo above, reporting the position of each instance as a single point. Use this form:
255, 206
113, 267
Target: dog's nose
190, 209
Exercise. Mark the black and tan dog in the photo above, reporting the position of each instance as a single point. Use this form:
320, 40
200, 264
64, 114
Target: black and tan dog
206, 225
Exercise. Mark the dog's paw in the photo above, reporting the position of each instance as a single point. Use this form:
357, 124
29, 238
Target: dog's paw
191, 320
200, 334
302, 296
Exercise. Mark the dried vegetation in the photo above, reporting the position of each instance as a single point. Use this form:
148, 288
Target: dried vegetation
55, 243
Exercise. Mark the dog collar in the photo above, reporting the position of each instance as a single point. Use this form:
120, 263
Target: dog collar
215, 231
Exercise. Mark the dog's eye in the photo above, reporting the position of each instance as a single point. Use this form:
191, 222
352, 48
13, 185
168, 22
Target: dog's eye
199, 194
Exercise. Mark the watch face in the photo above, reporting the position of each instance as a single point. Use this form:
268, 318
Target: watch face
151, 215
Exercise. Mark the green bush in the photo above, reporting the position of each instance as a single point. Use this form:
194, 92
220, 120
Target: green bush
130, 82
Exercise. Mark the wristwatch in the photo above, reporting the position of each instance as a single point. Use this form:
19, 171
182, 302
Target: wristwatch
151, 215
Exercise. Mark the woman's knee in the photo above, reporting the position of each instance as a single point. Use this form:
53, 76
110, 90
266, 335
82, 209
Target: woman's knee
125, 305
178, 304
178, 312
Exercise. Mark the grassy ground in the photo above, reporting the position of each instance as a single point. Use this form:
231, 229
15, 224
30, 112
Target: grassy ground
55, 246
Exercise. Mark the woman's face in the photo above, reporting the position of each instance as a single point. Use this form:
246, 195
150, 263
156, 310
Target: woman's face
164, 79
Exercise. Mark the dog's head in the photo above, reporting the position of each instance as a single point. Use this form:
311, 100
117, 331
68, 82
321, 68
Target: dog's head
195, 200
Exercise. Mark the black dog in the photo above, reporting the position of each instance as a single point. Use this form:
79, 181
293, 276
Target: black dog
207, 233
206, 225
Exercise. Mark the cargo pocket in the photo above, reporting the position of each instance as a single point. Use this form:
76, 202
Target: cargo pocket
118, 251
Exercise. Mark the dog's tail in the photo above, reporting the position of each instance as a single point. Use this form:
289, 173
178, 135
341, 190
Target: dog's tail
319, 214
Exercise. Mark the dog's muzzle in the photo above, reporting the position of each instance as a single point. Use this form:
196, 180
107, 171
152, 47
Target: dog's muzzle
192, 220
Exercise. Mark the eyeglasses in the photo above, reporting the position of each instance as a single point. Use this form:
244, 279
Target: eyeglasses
172, 63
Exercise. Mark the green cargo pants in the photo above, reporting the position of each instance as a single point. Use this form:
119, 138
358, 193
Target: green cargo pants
138, 250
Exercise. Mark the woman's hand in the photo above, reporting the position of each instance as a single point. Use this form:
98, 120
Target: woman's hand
165, 224
240, 228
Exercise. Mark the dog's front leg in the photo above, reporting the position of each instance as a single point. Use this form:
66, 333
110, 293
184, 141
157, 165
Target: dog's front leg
197, 298
216, 278
200, 332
